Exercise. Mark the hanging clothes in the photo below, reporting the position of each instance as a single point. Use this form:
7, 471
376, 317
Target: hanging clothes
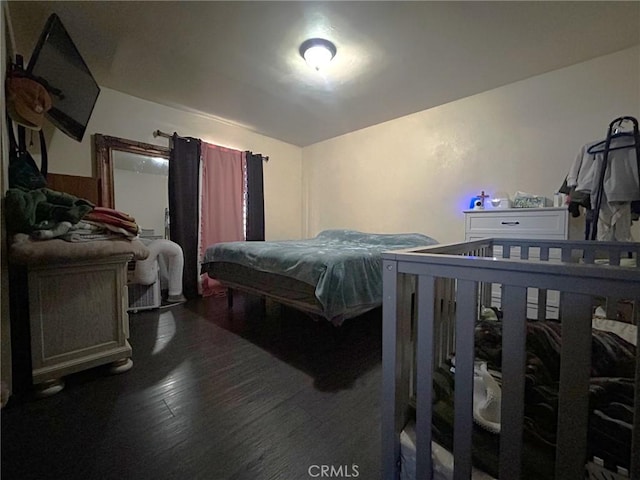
581, 173
614, 221
621, 185
621, 174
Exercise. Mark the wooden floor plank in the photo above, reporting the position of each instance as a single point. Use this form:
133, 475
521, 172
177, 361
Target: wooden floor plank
214, 393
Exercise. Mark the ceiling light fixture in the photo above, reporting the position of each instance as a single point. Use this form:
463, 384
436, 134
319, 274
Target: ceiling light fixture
317, 52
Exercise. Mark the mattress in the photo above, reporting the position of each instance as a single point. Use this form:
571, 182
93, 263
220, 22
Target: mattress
343, 267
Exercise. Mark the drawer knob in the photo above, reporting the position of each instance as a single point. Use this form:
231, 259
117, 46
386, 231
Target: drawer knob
510, 223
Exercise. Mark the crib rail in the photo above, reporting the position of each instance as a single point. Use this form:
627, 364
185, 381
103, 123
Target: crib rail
450, 283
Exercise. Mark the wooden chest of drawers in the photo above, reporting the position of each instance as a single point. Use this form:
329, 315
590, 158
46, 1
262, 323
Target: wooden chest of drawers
536, 223
532, 223
78, 319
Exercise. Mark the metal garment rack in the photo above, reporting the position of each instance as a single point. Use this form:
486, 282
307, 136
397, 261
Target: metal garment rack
605, 162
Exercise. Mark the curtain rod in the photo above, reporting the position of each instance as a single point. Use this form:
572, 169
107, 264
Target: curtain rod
158, 133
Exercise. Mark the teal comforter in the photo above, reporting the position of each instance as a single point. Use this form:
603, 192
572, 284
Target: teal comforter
345, 266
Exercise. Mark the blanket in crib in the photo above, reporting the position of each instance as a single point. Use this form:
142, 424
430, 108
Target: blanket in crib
611, 394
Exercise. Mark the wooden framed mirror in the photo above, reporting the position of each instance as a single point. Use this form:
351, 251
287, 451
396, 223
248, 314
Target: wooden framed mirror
133, 178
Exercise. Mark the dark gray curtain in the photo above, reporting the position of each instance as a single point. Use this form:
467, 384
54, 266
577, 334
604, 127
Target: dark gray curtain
184, 193
255, 197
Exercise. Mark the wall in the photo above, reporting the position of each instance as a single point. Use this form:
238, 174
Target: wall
417, 173
120, 115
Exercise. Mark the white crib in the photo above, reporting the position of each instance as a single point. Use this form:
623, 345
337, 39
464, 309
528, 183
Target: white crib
432, 293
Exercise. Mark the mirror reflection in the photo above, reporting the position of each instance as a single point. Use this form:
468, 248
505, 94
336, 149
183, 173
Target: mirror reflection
140, 188
133, 177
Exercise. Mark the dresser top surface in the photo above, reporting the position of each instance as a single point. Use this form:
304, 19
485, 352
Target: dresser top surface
518, 210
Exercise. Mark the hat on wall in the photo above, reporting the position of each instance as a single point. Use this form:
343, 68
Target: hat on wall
27, 101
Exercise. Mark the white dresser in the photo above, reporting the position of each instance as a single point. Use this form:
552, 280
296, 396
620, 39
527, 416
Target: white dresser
78, 319
533, 223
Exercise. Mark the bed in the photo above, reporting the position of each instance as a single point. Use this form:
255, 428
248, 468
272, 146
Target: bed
440, 342
335, 275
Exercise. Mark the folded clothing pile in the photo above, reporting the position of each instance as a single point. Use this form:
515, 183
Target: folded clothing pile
45, 214
42, 209
113, 221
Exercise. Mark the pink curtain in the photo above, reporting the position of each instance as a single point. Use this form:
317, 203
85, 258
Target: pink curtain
223, 202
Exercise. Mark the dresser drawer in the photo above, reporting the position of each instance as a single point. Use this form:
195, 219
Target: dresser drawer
525, 223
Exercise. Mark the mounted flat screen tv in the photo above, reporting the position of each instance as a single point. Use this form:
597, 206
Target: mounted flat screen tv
58, 65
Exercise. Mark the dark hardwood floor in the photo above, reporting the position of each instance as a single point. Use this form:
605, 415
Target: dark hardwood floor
248, 393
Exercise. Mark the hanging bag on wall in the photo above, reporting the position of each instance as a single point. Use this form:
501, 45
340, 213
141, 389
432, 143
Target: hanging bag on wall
27, 103
23, 170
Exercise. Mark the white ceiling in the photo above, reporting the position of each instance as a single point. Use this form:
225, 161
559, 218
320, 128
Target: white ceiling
239, 61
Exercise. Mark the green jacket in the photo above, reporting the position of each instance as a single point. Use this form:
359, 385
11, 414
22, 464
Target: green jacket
43, 208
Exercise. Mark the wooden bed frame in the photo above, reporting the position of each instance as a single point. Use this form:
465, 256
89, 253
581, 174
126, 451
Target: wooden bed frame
266, 285
430, 293
284, 290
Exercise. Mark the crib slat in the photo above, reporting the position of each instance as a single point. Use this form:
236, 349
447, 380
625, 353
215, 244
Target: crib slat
542, 292
463, 401
634, 471
397, 358
514, 334
424, 358
589, 256
544, 254
450, 316
542, 303
612, 308
614, 258
439, 313
443, 335
390, 445
573, 398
